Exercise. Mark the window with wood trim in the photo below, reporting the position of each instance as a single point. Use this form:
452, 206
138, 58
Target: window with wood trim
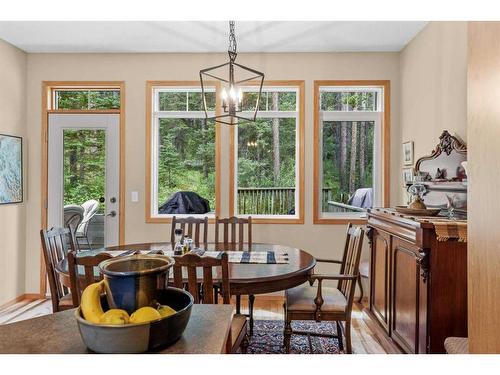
182, 151
85, 99
349, 164
268, 156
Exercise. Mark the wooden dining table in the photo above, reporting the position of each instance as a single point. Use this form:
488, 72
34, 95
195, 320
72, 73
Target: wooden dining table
244, 278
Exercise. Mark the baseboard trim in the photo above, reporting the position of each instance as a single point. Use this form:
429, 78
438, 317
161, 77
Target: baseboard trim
22, 297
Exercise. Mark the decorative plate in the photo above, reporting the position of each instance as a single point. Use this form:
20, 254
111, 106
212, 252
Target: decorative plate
418, 211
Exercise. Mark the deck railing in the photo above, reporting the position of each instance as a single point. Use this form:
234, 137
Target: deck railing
266, 201
271, 200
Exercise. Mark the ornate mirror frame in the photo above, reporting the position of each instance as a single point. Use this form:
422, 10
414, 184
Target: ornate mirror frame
447, 145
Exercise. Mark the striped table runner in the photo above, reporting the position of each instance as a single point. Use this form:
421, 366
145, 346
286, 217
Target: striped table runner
255, 257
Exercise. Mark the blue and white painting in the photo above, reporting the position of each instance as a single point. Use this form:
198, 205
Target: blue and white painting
11, 169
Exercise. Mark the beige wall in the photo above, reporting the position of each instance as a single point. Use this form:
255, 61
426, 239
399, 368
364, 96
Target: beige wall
484, 163
12, 216
433, 87
320, 240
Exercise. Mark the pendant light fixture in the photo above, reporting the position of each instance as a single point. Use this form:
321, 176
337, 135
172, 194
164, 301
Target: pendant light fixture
231, 75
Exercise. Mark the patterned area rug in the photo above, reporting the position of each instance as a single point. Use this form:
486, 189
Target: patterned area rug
268, 338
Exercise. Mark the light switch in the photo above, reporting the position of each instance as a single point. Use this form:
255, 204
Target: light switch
135, 196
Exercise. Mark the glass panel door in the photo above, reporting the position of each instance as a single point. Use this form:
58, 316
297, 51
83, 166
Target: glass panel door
83, 183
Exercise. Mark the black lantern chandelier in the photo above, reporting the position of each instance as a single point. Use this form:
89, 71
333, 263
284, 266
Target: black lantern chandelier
234, 106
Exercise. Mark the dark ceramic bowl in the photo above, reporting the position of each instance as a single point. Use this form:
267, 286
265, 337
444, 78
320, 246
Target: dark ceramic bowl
132, 282
142, 337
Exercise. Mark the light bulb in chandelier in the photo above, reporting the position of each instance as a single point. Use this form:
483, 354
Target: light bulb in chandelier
232, 94
224, 97
239, 96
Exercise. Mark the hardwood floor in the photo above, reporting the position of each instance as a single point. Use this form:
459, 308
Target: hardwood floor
367, 337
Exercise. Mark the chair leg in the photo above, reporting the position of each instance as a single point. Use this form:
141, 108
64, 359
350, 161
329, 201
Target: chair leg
287, 332
244, 345
360, 288
238, 304
88, 243
78, 248
251, 300
347, 334
339, 334
216, 294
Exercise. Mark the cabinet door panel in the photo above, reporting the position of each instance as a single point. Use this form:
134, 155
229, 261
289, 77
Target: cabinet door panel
406, 295
379, 296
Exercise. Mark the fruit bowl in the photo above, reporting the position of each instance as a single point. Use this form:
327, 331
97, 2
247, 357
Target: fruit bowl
142, 337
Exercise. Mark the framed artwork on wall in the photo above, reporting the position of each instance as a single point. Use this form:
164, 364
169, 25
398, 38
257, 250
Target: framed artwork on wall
11, 169
408, 153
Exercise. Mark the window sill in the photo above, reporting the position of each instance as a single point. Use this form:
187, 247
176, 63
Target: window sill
341, 219
271, 220
168, 219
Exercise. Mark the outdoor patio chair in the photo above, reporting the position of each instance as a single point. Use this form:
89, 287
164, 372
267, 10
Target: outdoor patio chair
73, 217
90, 209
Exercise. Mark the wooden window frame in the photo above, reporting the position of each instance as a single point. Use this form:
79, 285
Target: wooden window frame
385, 140
48, 88
150, 87
297, 84
52, 103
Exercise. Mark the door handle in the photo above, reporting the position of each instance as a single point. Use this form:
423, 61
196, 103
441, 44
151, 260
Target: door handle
112, 214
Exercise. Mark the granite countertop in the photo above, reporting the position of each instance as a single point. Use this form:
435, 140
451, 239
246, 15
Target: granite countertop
206, 333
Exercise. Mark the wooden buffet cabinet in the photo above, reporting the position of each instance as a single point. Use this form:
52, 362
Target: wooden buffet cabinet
418, 285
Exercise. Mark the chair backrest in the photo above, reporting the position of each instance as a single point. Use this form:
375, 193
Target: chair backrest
56, 243
350, 261
73, 217
233, 224
90, 208
192, 263
191, 223
80, 281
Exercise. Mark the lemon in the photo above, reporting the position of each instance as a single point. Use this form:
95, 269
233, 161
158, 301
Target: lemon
144, 314
165, 311
115, 316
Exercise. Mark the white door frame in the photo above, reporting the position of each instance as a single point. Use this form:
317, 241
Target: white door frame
57, 123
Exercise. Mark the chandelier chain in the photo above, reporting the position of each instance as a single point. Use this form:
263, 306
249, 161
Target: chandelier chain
232, 39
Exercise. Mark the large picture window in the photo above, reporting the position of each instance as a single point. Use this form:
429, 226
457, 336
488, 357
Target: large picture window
349, 160
268, 156
183, 151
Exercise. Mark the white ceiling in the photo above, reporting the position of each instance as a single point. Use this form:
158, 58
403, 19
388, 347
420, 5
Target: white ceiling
207, 36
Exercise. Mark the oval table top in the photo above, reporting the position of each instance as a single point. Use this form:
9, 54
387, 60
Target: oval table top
247, 278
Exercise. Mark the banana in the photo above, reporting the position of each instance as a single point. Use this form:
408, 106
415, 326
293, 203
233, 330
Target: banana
91, 302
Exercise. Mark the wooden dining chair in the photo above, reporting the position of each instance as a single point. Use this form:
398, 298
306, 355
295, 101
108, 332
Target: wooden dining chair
56, 243
191, 263
233, 232
195, 226
78, 282
234, 228
320, 303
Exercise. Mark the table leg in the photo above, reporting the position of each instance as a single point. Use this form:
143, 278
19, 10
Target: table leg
251, 300
238, 304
